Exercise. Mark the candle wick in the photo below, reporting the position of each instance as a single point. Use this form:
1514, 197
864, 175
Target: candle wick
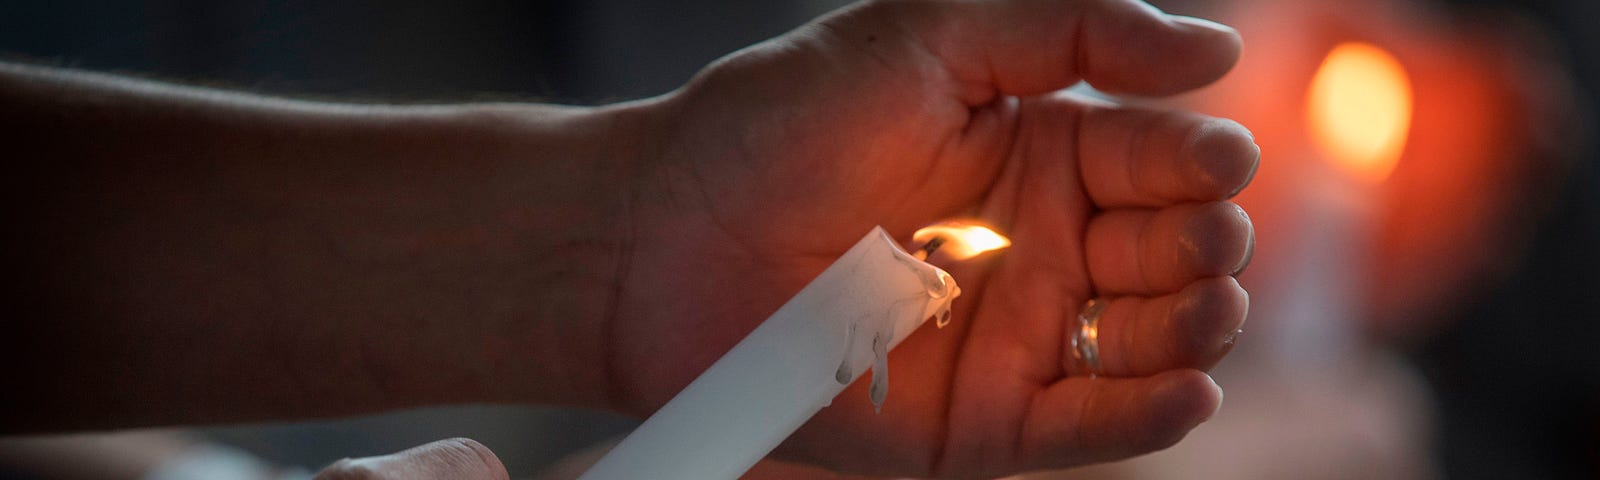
927, 249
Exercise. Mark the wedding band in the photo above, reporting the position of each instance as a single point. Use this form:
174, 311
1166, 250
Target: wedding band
1086, 339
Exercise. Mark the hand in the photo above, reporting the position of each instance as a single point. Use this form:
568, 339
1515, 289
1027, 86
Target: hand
775, 160
456, 458
321, 260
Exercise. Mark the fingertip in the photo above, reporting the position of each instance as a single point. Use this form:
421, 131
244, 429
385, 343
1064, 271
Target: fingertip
1223, 157
1101, 419
1184, 399
1226, 42
1213, 50
450, 458
1166, 55
490, 463
1198, 23
1249, 253
1216, 239
1209, 311
1207, 395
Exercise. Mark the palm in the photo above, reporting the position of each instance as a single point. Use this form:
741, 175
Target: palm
962, 395
801, 162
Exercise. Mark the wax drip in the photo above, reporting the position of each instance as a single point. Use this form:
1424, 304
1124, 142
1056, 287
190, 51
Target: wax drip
934, 280
942, 317
843, 374
880, 370
939, 286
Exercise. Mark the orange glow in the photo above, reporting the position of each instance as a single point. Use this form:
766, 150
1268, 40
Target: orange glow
1359, 110
963, 240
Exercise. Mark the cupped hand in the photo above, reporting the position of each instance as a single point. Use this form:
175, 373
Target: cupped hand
776, 159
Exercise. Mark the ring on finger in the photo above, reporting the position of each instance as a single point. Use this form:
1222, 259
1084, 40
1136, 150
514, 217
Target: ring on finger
1086, 337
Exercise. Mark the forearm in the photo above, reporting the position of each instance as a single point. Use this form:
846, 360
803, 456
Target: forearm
190, 255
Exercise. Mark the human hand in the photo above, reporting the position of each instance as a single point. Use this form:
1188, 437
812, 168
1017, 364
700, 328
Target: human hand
775, 160
383, 257
456, 458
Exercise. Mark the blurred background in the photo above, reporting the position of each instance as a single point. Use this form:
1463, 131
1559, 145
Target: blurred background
1426, 292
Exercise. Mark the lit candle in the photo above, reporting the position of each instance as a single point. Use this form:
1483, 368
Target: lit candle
793, 364
1359, 110
1358, 115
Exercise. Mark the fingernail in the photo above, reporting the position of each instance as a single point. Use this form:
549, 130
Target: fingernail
1255, 164
1200, 23
1216, 150
1220, 395
1250, 247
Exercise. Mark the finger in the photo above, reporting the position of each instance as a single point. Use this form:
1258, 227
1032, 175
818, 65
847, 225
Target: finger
1082, 420
453, 458
1192, 328
1029, 47
1143, 157
1147, 252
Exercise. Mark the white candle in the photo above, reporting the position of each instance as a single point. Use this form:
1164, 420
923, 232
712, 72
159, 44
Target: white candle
790, 367
1358, 114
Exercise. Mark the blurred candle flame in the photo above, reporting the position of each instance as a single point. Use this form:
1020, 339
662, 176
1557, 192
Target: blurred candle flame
963, 240
1359, 110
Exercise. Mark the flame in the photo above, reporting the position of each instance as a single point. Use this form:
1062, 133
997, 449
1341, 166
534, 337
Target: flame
1359, 109
963, 240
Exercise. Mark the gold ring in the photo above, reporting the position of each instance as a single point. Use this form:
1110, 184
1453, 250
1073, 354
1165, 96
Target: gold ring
1086, 339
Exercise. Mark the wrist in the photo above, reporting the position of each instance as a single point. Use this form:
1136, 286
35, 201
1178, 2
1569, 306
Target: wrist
568, 218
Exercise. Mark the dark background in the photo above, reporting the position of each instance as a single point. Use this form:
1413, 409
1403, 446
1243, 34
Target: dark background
1516, 377
555, 51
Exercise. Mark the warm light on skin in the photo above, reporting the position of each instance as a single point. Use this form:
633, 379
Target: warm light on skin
1359, 109
962, 240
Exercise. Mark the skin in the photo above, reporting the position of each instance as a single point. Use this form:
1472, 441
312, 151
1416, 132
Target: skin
450, 458
201, 256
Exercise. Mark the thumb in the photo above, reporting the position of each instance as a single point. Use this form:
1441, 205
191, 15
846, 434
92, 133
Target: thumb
1030, 47
456, 458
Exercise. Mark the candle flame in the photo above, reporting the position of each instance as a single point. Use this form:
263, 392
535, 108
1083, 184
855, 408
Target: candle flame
963, 240
1359, 109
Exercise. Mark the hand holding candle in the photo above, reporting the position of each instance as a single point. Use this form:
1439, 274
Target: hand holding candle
199, 255
782, 155
797, 361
